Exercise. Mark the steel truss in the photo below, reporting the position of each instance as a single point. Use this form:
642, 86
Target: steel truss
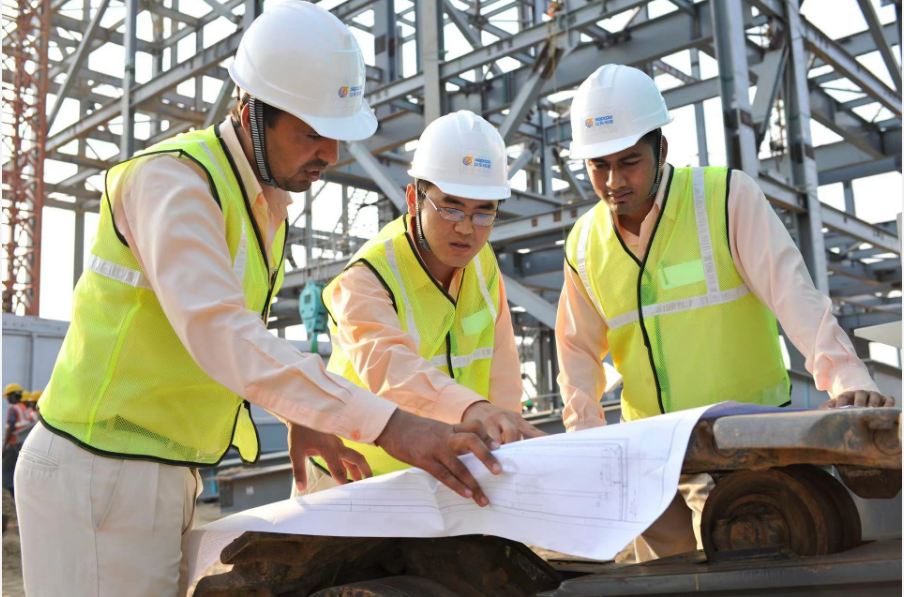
521, 55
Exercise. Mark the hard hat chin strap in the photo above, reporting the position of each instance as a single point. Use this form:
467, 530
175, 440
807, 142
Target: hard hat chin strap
258, 141
421, 239
658, 180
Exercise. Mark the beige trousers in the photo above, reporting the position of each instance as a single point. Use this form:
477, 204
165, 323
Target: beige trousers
95, 526
678, 529
318, 480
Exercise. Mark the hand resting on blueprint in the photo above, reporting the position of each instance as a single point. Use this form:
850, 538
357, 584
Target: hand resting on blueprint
435, 446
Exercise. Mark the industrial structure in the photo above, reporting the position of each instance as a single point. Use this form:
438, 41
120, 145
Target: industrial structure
520, 60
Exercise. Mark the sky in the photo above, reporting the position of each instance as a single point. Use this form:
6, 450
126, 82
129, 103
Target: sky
877, 198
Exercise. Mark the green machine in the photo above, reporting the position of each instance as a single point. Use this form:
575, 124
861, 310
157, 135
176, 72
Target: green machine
312, 310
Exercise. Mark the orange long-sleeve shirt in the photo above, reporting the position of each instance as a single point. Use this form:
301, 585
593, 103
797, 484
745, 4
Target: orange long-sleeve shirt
773, 269
386, 358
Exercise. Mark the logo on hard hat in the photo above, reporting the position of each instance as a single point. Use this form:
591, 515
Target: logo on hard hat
345, 92
589, 123
467, 160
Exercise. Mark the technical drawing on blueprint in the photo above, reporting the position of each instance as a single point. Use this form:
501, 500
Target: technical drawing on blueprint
587, 493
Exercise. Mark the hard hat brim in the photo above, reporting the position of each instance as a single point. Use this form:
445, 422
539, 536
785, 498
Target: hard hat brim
604, 148
469, 191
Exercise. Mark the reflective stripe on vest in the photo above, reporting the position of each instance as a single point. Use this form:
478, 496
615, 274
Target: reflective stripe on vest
124, 384
683, 327
447, 332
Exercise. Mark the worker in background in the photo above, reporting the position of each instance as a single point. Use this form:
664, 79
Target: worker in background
419, 315
681, 273
168, 343
31, 402
17, 425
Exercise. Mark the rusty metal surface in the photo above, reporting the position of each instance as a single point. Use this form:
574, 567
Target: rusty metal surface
871, 483
393, 586
861, 437
871, 569
797, 509
269, 564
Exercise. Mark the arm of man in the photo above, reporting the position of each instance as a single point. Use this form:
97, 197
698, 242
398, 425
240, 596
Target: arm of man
582, 345
387, 360
503, 418
774, 269
177, 232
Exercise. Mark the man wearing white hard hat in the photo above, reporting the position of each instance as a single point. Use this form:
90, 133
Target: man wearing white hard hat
681, 274
419, 315
168, 344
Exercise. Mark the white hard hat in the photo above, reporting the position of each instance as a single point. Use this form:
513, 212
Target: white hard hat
464, 155
301, 59
613, 109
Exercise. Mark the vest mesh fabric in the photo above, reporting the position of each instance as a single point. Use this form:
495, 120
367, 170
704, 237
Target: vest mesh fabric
447, 331
707, 336
124, 384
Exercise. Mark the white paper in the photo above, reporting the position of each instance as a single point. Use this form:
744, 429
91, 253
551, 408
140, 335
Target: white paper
588, 494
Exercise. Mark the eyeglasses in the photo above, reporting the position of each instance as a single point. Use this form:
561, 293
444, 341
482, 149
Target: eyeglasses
451, 214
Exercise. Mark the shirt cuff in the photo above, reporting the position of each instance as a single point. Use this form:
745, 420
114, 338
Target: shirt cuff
364, 416
453, 402
851, 379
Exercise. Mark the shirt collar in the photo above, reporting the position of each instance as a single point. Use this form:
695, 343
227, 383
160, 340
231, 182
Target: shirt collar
277, 200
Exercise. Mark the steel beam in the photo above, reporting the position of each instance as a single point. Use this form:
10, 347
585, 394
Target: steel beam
375, 170
188, 69
77, 61
875, 29
520, 295
460, 20
851, 226
542, 70
130, 40
768, 85
221, 10
430, 47
803, 162
731, 53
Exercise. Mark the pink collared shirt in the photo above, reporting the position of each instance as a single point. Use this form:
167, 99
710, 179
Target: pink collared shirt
170, 220
774, 270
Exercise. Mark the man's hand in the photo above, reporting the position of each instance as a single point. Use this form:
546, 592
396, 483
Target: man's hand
859, 398
433, 446
342, 462
504, 426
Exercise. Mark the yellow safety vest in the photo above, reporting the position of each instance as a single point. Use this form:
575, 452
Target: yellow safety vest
683, 327
456, 336
123, 384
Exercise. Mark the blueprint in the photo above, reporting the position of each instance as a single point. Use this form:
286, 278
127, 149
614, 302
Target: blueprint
587, 494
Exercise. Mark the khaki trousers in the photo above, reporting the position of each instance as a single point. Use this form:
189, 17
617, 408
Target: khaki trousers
318, 480
678, 529
94, 526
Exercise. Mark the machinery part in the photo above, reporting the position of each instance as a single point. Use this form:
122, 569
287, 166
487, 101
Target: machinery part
267, 564
871, 483
393, 586
828, 487
788, 509
866, 437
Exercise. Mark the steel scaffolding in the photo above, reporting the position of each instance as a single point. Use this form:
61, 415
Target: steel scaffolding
26, 31
514, 62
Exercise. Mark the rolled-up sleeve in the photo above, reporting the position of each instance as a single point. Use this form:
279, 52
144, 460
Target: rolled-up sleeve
177, 232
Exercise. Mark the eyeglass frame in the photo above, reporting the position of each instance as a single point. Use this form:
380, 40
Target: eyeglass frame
453, 210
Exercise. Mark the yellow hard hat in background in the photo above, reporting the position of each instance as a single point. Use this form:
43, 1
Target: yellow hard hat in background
26, 396
13, 387
36, 395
